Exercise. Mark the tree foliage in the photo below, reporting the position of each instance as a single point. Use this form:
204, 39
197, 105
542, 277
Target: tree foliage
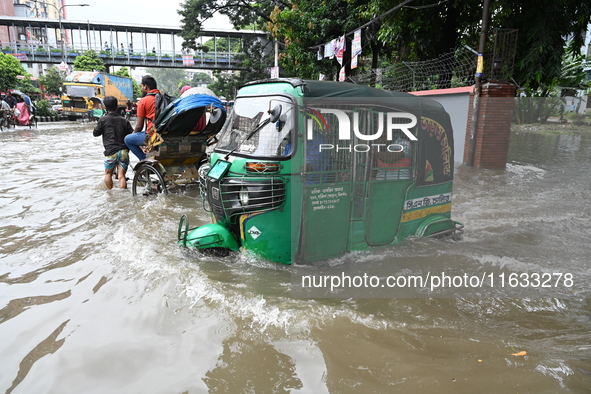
544, 33
26, 86
10, 67
52, 81
255, 60
89, 61
167, 78
241, 14
309, 24
414, 31
225, 84
201, 78
420, 32
221, 44
43, 108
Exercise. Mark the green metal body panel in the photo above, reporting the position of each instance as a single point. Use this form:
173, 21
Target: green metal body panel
354, 209
384, 208
212, 235
326, 220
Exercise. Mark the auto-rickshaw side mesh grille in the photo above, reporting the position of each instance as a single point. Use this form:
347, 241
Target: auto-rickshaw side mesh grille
235, 196
330, 160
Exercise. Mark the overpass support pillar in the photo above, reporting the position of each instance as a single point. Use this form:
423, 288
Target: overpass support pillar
493, 125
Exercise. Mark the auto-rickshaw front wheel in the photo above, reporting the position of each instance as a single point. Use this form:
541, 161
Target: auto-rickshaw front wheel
147, 180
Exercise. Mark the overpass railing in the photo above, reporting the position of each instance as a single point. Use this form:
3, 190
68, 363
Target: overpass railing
45, 53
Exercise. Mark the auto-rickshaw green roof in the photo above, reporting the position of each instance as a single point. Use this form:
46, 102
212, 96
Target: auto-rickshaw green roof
341, 90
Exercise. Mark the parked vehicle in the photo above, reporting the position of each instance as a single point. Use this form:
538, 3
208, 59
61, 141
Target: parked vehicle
310, 170
82, 89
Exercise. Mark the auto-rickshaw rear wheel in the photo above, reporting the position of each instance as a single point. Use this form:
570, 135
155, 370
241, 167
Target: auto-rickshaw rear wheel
147, 180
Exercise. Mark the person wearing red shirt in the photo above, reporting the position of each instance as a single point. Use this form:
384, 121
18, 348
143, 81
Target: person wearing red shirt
146, 111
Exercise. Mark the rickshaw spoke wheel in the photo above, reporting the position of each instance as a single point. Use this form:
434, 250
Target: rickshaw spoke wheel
147, 180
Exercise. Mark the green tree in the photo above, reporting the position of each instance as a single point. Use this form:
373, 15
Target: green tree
43, 108
225, 84
124, 72
419, 32
179, 86
307, 25
572, 76
26, 86
89, 61
221, 44
255, 66
167, 78
10, 67
255, 55
201, 79
52, 81
241, 14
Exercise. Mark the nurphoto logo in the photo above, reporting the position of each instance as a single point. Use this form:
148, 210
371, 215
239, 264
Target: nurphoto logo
380, 144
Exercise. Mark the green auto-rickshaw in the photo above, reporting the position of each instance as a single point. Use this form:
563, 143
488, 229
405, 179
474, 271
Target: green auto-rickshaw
310, 170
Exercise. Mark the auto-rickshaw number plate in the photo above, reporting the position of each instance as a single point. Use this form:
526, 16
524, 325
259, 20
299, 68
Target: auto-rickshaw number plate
219, 169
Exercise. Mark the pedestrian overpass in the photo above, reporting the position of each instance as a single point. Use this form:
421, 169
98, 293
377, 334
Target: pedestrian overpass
36, 40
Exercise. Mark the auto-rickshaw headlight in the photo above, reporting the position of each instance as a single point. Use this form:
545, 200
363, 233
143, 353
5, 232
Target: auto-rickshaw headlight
243, 194
262, 167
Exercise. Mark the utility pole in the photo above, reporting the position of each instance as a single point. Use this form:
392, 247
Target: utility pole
478, 83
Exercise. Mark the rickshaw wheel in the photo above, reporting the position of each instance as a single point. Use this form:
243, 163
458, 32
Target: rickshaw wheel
33, 122
147, 180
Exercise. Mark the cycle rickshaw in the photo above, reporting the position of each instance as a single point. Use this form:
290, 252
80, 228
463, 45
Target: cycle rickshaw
23, 116
177, 144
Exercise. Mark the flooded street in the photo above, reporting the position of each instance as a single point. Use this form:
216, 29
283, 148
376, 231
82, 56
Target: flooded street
96, 297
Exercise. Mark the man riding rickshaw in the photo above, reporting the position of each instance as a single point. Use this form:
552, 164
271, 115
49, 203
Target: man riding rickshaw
24, 114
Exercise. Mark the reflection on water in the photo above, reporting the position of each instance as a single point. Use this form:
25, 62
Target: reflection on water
96, 297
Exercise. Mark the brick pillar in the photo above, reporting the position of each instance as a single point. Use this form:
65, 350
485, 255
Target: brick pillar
494, 125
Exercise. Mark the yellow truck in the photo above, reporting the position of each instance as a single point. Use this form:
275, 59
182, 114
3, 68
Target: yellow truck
84, 91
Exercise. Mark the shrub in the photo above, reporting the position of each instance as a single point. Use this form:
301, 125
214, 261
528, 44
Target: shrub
43, 108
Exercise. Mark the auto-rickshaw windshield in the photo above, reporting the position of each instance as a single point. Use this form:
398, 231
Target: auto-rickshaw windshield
240, 134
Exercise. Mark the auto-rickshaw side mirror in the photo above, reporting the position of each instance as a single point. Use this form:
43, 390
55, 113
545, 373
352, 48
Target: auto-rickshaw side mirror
216, 115
275, 113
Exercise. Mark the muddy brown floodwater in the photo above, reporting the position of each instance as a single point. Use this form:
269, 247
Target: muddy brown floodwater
96, 297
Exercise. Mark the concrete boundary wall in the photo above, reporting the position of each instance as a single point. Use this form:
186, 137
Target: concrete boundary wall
456, 102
